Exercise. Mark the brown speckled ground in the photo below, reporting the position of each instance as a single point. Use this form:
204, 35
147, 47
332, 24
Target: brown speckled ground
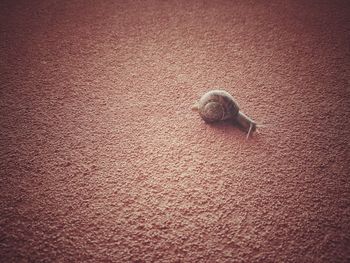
101, 159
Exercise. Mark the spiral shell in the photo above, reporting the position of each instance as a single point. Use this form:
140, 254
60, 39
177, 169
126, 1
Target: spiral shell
217, 105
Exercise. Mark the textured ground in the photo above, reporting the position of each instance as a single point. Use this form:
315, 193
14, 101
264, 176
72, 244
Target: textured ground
101, 159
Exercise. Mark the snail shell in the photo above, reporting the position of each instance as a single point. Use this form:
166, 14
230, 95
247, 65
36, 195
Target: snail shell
217, 105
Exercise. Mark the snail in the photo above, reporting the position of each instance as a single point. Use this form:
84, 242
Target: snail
219, 105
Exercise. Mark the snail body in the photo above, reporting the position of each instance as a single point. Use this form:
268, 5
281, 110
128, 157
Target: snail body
219, 105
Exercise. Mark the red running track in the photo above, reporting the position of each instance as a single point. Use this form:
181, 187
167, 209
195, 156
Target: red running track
102, 159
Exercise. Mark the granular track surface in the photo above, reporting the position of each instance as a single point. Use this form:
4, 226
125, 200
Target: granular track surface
102, 160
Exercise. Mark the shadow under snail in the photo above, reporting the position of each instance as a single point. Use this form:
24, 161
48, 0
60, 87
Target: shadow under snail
219, 105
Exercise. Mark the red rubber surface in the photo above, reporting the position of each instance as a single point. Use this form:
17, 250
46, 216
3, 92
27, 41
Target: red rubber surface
102, 159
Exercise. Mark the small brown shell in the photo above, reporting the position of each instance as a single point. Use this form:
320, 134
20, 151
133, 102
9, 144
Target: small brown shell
217, 105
